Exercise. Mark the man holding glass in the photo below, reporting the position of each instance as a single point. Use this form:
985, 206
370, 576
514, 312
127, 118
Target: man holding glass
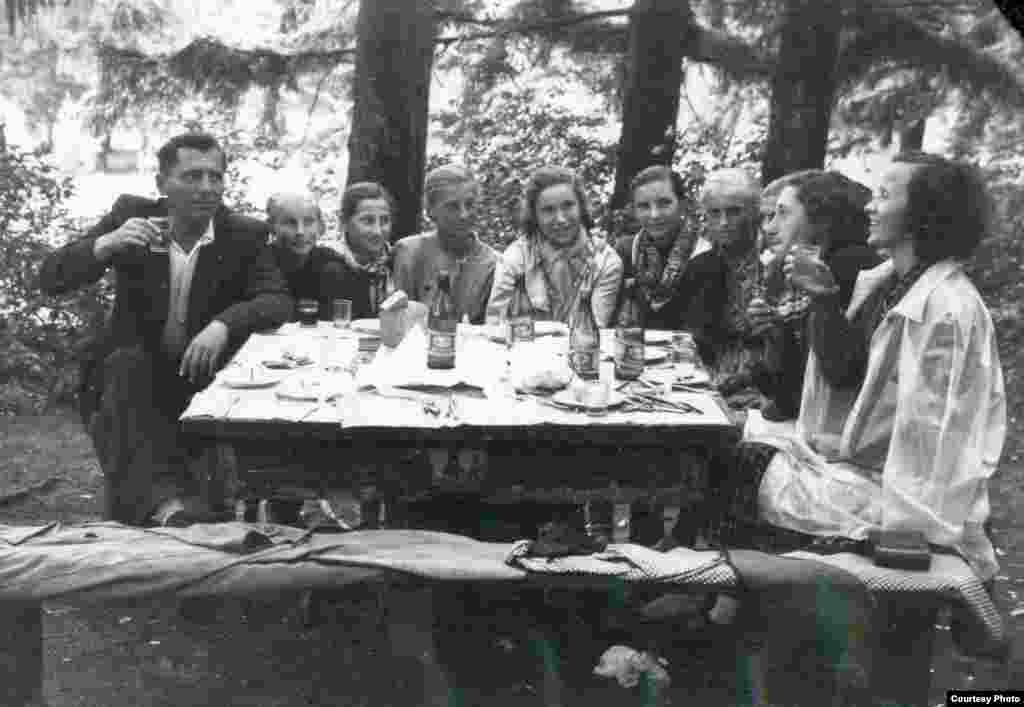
185, 300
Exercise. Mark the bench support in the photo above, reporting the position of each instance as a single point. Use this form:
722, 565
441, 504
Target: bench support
21, 654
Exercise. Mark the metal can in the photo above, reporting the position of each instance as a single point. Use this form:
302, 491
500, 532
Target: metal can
684, 348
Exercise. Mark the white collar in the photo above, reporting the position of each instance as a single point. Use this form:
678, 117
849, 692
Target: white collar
205, 239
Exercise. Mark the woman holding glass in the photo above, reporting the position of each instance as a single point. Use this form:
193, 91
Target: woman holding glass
556, 253
822, 215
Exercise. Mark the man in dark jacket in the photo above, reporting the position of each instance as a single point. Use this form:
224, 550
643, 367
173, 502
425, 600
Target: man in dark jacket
185, 300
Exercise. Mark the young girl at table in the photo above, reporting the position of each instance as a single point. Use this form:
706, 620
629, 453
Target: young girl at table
451, 196
367, 214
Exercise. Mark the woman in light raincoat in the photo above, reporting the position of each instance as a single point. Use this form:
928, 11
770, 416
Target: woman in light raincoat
903, 412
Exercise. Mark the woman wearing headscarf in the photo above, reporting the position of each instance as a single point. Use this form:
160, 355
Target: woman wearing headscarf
557, 254
683, 284
367, 213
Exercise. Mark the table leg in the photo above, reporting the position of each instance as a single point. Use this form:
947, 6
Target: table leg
21, 654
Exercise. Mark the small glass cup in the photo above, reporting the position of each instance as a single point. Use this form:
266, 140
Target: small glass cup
684, 348
803, 256
596, 394
341, 313
163, 242
308, 310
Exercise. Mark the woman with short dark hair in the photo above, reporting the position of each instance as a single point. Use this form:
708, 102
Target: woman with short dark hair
683, 284
556, 253
822, 209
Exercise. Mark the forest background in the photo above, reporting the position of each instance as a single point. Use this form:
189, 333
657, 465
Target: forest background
324, 92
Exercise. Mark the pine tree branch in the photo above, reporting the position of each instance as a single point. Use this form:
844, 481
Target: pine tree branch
508, 29
898, 39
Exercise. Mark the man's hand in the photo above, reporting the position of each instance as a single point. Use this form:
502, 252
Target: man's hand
760, 315
204, 352
135, 233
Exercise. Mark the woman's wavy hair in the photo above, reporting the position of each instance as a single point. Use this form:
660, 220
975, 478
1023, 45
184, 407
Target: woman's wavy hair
948, 208
540, 180
359, 192
834, 204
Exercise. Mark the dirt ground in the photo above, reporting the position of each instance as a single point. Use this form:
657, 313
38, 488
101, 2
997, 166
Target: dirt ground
261, 654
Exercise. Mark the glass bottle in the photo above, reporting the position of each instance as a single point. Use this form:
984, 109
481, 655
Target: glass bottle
629, 334
520, 314
584, 339
442, 324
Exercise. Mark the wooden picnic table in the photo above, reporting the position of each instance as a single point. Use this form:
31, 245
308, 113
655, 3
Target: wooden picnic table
322, 425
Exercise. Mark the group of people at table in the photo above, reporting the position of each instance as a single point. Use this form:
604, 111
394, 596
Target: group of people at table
872, 338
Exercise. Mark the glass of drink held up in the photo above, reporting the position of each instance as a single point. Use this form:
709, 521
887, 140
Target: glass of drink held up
163, 242
806, 258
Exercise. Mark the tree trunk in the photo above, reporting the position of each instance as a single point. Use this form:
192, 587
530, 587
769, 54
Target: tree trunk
912, 135
388, 142
803, 88
659, 31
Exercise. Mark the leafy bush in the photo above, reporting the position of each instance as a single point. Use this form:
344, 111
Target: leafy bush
514, 131
41, 338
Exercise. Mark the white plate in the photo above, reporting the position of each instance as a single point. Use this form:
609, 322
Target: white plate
308, 389
259, 377
366, 326
566, 397
652, 355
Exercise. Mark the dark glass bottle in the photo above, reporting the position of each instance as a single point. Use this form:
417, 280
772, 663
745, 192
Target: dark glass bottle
442, 324
629, 334
584, 339
520, 314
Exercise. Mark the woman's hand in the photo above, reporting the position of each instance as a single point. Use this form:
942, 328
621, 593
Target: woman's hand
809, 274
761, 316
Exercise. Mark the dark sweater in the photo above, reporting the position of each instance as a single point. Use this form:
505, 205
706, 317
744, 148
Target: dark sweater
779, 376
326, 276
698, 305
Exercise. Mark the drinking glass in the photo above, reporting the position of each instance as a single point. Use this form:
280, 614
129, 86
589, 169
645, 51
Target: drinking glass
804, 255
308, 310
341, 311
162, 244
596, 394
